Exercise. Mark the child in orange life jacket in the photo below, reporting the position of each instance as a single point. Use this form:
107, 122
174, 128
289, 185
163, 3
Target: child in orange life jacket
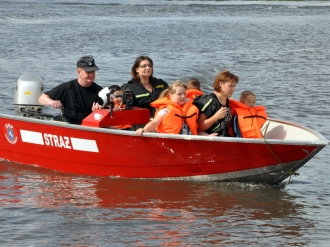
193, 88
118, 104
175, 113
248, 118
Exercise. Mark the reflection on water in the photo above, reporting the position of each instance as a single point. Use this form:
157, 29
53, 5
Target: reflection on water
160, 212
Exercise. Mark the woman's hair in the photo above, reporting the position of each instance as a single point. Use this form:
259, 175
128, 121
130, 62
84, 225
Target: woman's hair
136, 65
172, 88
224, 77
244, 94
193, 84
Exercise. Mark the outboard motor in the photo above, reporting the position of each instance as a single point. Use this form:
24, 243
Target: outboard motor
29, 88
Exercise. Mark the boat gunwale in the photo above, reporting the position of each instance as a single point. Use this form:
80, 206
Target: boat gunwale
321, 142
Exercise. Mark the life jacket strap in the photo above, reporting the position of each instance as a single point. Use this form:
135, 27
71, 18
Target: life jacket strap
257, 116
185, 117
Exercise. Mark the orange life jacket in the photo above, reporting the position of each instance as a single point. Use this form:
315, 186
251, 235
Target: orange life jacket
177, 115
250, 120
193, 93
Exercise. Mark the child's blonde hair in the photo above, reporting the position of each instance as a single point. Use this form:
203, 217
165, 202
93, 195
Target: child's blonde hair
171, 88
244, 94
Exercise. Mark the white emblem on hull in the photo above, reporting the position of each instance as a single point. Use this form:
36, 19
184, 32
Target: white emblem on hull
10, 133
59, 141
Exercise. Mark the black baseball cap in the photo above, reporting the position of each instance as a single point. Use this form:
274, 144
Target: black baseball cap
87, 63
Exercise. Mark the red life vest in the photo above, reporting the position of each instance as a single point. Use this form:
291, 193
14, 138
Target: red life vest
193, 93
250, 120
177, 115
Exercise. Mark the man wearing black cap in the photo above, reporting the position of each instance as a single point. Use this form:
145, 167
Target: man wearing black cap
79, 97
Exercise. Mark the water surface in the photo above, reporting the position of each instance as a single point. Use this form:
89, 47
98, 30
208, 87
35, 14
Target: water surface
280, 50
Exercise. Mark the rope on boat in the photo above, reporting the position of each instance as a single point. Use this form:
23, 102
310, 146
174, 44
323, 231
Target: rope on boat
290, 172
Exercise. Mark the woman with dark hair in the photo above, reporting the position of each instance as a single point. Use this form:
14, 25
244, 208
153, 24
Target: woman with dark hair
144, 86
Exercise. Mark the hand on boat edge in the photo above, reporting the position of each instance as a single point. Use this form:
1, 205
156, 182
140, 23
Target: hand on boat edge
140, 131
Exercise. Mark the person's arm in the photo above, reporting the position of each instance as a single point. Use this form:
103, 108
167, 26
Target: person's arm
151, 126
44, 99
205, 123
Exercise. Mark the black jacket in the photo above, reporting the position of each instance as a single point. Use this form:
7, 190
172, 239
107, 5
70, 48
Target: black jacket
141, 96
209, 105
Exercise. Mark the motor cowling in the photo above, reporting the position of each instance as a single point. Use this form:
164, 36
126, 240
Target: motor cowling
29, 88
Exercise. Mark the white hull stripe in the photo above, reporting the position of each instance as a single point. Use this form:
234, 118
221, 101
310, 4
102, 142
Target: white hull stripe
32, 137
84, 145
76, 143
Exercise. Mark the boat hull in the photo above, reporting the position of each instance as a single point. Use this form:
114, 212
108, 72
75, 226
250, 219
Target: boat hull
117, 153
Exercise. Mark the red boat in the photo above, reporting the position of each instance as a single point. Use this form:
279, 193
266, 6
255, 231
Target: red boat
94, 148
